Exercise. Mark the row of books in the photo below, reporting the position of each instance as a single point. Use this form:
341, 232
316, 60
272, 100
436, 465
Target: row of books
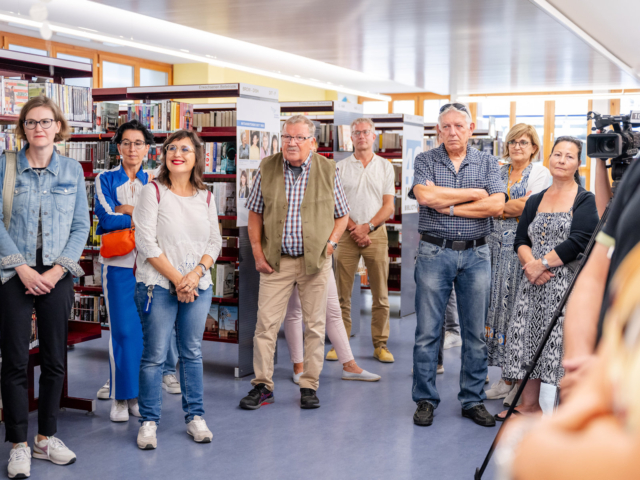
324, 134
89, 308
162, 116
223, 278
224, 194
222, 322
9, 141
75, 102
218, 118
388, 141
220, 157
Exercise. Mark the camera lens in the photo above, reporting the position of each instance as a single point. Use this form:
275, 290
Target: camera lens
609, 145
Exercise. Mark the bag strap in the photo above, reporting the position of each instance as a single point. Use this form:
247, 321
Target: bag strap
10, 172
208, 198
157, 190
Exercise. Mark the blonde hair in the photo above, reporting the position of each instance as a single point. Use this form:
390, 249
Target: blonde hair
58, 116
516, 132
294, 119
368, 121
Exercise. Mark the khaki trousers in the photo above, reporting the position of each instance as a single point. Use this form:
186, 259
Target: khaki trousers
275, 290
376, 258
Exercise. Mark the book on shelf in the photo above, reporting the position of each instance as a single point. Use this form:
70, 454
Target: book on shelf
228, 321
388, 141
211, 325
223, 277
75, 102
162, 116
324, 134
345, 144
106, 117
219, 157
89, 308
9, 141
15, 95
218, 118
224, 194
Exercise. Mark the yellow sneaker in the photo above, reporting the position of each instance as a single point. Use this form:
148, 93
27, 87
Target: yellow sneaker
383, 355
332, 355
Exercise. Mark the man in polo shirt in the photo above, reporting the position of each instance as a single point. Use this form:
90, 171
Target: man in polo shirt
369, 185
297, 214
459, 191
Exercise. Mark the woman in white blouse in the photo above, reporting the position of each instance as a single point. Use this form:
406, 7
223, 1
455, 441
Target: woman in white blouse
178, 240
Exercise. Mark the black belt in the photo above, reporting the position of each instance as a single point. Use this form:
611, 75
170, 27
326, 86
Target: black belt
454, 244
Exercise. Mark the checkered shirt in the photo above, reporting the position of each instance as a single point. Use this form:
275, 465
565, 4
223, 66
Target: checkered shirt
478, 170
292, 243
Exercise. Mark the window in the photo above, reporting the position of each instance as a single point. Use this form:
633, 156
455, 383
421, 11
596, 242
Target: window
404, 106
627, 104
496, 112
431, 109
34, 51
371, 108
115, 75
571, 120
153, 78
532, 112
79, 82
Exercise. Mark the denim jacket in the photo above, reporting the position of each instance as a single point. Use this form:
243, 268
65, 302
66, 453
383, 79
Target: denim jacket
60, 192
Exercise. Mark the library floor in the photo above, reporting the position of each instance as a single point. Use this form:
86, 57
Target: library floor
362, 431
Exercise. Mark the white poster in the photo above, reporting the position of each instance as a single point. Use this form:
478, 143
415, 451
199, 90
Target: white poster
411, 148
258, 136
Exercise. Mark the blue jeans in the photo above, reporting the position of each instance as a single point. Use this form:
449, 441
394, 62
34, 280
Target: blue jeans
436, 270
169, 367
158, 325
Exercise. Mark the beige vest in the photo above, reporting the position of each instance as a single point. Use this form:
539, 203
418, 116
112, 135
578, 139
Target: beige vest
316, 210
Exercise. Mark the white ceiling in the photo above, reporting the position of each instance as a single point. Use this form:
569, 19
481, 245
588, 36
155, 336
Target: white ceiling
468, 46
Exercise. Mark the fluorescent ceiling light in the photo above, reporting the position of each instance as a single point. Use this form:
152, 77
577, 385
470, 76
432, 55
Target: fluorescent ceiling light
105, 39
542, 96
75, 37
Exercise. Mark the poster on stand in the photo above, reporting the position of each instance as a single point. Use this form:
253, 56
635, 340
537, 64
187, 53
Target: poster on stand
411, 148
258, 136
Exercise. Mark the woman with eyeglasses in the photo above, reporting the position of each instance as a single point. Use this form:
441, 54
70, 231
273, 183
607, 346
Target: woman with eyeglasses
117, 194
178, 240
44, 228
522, 177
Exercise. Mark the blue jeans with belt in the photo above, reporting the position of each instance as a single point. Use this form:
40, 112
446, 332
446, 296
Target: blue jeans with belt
158, 325
469, 271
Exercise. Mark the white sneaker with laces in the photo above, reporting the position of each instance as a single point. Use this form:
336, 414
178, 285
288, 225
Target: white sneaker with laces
19, 462
133, 407
119, 411
498, 390
171, 384
363, 376
440, 370
198, 429
296, 378
54, 450
451, 340
147, 439
103, 393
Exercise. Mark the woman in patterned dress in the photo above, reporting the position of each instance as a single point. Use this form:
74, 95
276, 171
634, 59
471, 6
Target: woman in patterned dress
522, 178
554, 229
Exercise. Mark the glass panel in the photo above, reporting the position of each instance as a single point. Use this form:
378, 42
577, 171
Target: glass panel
78, 82
496, 111
153, 78
532, 112
571, 120
34, 51
404, 106
116, 75
629, 103
431, 109
370, 108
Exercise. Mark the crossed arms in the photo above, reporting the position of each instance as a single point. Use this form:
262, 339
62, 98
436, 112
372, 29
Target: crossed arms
467, 202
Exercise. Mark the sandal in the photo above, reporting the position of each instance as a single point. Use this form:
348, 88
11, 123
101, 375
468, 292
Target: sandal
502, 419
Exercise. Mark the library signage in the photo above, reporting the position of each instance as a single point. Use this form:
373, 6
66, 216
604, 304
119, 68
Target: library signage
411, 148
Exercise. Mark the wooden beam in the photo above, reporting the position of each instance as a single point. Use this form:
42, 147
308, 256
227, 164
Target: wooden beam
512, 115
614, 106
549, 129
473, 110
587, 173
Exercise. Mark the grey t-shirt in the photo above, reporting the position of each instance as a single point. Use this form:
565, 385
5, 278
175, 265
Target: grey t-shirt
296, 171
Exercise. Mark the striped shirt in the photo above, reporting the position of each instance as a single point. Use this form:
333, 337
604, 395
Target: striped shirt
478, 170
292, 243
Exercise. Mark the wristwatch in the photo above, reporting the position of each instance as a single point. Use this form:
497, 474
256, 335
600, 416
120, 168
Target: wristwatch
204, 269
451, 211
545, 264
372, 227
64, 270
333, 244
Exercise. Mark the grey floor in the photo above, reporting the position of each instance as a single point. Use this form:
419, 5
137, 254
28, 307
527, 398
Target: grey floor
362, 430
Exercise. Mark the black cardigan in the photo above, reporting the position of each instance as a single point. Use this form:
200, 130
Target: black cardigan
585, 221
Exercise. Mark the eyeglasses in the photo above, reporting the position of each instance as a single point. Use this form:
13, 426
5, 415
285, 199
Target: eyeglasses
458, 106
44, 123
357, 133
521, 143
183, 149
136, 145
297, 138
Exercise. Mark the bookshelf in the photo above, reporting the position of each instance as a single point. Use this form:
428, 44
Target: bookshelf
240, 256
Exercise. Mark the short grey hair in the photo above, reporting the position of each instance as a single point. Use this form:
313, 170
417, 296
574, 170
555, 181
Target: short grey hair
295, 119
368, 121
451, 108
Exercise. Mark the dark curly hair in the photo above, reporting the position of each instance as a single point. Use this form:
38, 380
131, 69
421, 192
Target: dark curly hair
133, 125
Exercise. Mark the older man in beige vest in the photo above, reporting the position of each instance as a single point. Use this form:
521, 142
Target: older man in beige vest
297, 214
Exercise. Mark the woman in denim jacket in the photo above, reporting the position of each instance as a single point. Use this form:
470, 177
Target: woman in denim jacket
39, 254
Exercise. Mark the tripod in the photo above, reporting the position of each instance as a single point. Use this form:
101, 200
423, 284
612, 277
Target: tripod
528, 367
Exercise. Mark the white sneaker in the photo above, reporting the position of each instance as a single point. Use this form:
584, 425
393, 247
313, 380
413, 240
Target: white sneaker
103, 393
197, 428
54, 450
119, 411
296, 378
512, 394
133, 407
486, 380
147, 439
19, 462
364, 376
171, 384
440, 370
498, 390
451, 340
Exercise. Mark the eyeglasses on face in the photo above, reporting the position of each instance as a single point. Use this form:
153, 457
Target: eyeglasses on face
458, 106
298, 138
137, 145
357, 133
521, 143
184, 149
44, 123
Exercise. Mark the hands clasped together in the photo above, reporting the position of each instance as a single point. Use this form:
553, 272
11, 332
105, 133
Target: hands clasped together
187, 287
536, 273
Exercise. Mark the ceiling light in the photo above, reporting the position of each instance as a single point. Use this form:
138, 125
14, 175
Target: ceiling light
196, 58
543, 97
183, 50
75, 37
88, 29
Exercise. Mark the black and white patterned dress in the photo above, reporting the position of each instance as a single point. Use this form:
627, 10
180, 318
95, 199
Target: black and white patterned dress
535, 305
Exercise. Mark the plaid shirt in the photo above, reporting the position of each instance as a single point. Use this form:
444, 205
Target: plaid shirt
292, 243
478, 170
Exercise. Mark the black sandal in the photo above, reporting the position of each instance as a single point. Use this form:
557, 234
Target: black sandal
502, 419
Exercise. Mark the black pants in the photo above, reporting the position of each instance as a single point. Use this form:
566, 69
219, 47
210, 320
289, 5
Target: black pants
52, 311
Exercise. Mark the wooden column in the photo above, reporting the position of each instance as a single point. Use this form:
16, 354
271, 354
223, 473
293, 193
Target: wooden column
473, 110
549, 129
586, 171
614, 107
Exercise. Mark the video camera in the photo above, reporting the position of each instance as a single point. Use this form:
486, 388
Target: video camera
620, 145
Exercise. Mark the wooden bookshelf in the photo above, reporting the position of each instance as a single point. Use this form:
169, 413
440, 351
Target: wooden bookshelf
28, 65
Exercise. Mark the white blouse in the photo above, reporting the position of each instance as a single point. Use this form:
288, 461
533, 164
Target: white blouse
183, 228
